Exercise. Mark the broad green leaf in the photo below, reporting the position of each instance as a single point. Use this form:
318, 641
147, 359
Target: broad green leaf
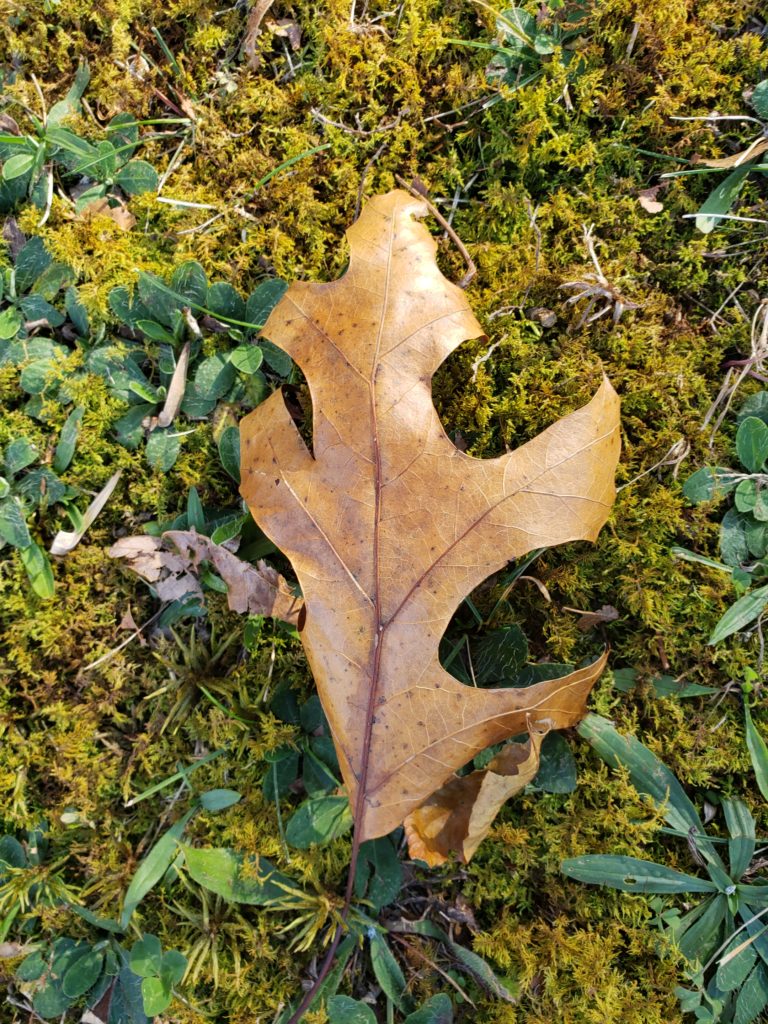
41, 486
195, 513
318, 821
752, 443
630, 874
321, 767
343, 1010
189, 280
229, 452
214, 377
756, 535
246, 358
71, 102
11, 853
137, 176
379, 874
741, 828
52, 280
76, 312
749, 497
33, 966
65, 448
174, 967
158, 299
733, 541
37, 376
156, 996
50, 1002
277, 360
224, 302
128, 308
282, 772
153, 867
759, 99
708, 483
147, 956
83, 973
557, 767
755, 405
155, 331
735, 963
32, 260
499, 655
758, 750
128, 429
255, 882
387, 970
163, 447
699, 933
517, 28
38, 569
753, 996
10, 323
437, 1010
219, 799
262, 301
721, 199
36, 308
19, 454
740, 614
17, 165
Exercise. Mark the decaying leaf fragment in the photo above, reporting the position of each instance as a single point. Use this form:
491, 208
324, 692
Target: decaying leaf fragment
458, 816
171, 564
389, 526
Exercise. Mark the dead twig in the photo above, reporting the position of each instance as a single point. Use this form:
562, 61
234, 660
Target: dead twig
420, 193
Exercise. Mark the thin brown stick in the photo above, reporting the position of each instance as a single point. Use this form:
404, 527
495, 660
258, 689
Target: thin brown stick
416, 191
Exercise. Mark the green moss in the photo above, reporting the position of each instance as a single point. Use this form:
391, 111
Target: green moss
386, 93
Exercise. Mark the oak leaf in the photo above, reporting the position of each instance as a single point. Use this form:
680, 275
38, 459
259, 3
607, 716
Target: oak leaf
389, 526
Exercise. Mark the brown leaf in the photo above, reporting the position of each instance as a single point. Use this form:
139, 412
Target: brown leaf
176, 389
589, 620
7, 124
120, 214
389, 526
648, 201
457, 818
755, 148
288, 29
171, 563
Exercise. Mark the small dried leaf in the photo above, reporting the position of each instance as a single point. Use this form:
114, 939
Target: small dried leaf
121, 215
176, 389
7, 124
589, 620
66, 540
170, 564
648, 201
288, 29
